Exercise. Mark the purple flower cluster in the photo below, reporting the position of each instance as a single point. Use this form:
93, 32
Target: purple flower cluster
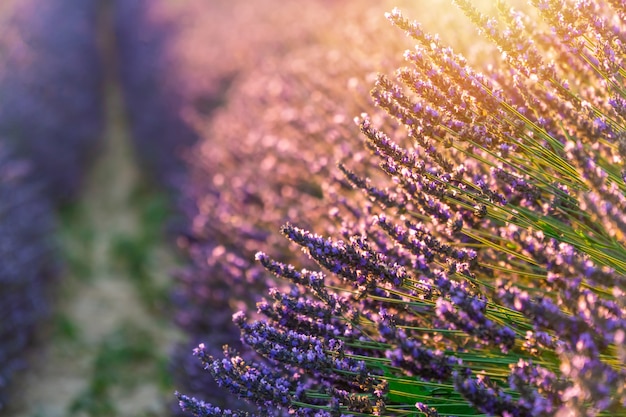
51, 104
473, 264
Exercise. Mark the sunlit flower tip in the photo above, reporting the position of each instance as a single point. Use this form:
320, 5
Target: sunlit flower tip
394, 13
362, 119
426, 410
239, 317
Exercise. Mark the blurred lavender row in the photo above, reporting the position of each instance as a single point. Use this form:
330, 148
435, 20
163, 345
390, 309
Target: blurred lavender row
50, 89
153, 87
51, 119
26, 261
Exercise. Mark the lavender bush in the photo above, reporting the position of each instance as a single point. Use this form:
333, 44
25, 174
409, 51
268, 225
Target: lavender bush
50, 88
25, 251
482, 271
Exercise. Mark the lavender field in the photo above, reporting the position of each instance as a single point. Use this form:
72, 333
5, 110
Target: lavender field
360, 208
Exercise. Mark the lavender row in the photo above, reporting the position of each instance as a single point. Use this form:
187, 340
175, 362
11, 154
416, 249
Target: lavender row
153, 87
165, 81
26, 225
50, 123
51, 89
480, 271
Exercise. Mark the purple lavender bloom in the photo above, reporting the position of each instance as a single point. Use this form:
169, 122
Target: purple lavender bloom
257, 383
201, 408
416, 360
355, 262
315, 318
426, 410
537, 386
490, 399
311, 353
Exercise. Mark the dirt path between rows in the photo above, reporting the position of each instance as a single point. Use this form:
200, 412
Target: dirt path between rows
105, 350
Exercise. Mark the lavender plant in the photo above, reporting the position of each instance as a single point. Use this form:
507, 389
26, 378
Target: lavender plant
483, 272
50, 88
26, 265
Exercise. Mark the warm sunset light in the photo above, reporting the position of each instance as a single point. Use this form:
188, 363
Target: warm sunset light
409, 208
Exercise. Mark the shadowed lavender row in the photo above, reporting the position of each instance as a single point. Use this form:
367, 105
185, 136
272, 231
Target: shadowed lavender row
163, 81
154, 89
50, 123
26, 266
50, 89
